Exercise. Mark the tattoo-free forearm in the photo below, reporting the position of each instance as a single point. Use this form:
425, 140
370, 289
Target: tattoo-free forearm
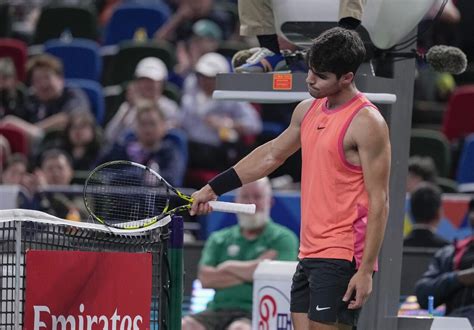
376, 223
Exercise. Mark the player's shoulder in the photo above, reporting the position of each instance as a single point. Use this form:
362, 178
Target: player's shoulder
302, 108
369, 116
305, 104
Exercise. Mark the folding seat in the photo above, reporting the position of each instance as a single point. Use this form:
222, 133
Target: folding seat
130, 17
17, 51
425, 142
81, 22
122, 65
95, 94
458, 120
17, 139
5, 20
80, 57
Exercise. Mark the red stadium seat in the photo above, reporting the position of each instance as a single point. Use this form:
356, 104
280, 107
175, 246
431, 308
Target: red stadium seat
458, 120
17, 139
17, 51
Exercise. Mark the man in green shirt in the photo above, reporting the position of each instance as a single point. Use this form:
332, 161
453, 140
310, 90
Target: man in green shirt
230, 257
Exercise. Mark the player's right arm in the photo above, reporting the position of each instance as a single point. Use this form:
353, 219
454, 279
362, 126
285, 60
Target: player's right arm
262, 160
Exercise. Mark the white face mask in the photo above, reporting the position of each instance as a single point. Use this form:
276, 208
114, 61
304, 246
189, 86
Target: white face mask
253, 221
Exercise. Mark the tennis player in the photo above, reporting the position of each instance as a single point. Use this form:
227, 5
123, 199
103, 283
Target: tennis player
344, 185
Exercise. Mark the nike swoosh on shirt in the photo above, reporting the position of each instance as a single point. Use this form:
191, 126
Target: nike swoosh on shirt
318, 309
319, 127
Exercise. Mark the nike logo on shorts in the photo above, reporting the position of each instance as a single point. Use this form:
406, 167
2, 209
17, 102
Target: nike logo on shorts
318, 309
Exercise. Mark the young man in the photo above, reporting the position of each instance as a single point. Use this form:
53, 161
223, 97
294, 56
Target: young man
344, 186
426, 210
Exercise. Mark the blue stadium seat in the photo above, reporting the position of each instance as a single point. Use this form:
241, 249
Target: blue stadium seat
80, 57
96, 97
465, 173
285, 211
130, 17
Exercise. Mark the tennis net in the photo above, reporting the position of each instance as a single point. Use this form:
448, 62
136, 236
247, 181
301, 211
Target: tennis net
23, 230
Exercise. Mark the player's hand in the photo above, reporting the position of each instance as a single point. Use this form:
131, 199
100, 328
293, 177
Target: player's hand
200, 201
361, 283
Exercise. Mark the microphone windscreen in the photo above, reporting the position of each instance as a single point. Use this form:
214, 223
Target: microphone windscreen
447, 59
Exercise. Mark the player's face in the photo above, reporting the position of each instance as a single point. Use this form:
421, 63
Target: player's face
322, 84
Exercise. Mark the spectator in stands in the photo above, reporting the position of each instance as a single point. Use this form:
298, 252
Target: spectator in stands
15, 169
425, 205
55, 170
12, 92
50, 100
82, 138
450, 277
230, 257
179, 25
216, 129
420, 169
150, 76
150, 144
16, 173
205, 38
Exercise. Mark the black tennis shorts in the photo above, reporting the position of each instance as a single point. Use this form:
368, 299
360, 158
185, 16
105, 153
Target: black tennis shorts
318, 288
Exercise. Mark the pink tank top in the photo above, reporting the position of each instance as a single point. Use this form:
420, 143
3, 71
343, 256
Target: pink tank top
334, 201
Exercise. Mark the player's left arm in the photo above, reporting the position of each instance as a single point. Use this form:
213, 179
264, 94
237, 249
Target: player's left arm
371, 136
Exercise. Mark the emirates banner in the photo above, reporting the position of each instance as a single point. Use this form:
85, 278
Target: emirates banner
72, 290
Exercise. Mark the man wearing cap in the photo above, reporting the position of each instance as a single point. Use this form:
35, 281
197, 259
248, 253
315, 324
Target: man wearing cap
150, 76
215, 128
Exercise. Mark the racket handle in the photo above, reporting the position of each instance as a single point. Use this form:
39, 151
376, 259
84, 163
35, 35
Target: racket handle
232, 207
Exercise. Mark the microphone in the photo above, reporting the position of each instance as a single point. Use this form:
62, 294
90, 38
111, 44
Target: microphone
446, 59
441, 58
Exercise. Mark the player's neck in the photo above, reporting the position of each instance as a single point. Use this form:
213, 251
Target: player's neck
334, 101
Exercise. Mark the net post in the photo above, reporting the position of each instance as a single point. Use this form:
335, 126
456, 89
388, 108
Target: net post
176, 271
17, 272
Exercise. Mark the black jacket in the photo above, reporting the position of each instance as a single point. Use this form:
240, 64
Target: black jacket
441, 282
424, 238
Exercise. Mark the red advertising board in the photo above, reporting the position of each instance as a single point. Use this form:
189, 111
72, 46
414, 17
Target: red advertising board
72, 290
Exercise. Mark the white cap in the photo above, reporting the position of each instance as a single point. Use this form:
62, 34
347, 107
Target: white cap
151, 67
211, 64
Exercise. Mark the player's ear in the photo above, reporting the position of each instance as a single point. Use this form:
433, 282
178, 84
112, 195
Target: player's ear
347, 78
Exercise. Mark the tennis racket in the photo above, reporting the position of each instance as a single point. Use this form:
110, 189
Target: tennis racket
128, 195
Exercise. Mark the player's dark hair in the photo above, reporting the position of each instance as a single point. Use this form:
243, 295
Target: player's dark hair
336, 50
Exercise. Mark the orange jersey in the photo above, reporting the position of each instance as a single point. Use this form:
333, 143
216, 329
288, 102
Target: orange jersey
334, 201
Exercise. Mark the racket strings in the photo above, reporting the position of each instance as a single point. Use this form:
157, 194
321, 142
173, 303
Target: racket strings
121, 193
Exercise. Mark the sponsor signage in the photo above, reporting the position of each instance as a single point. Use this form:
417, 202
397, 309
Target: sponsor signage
72, 290
271, 295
